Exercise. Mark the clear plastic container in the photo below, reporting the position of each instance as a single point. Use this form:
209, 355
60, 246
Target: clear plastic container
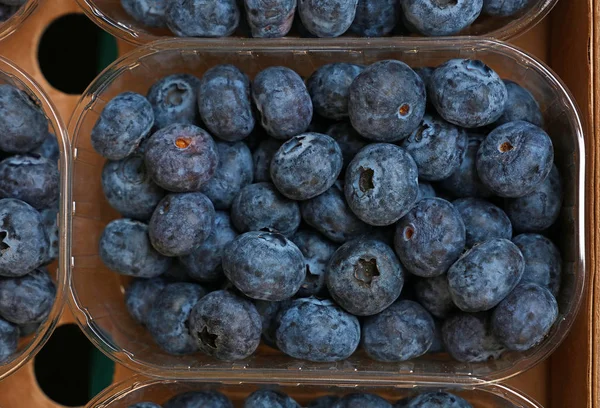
30, 345
110, 16
97, 293
14, 22
138, 389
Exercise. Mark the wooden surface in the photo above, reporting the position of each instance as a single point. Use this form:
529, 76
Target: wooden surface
560, 382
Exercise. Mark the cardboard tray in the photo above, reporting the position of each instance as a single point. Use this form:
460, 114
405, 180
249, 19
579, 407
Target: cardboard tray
567, 40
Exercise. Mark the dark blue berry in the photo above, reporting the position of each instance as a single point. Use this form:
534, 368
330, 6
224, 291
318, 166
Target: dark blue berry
483, 220
124, 122
262, 157
269, 314
283, 102
260, 206
426, 190
357, 400
349, 140
434, 295
270, 18
224, 102
327, 18
328, 87
438, 399
514, 159
317, 251
375, 18
173, 99
167, 321
140, 295
264, 265
364, 277
7, 11
50, 223
27, 299
326, 401
430, 237
150, 13
225, 326
386, 101
202, 18
468, 338
126, 249
539, 209
9, 338
306, 166
204, 262
503, 8
543, 263
269, 399
438, 147
467, 93
145, 405
129, 189
49, 148
484, 275
199, 399
30, 178
317, 330
181, 158
381, 184
524, 318
329, 214
401, 332
520, 105
440, 17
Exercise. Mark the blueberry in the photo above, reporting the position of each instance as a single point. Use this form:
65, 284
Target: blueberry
539, 209
150, 13
426, 190
264, 265
181, 158
180, 223
177, 272
126, 249
514, 159
225, 326
543, 263
124, 122
269, 399
402, 403
485, 274
233, 173
145, 405
224, 103
326, 401
173, 99
503, 8
438, 399
262, 157
329, 214
49, 148
430, 237
465, 181
483, 220
306, 166
328, 87
27, 330
129, 189
23, 240
520, 105
349, 140
317, 330
270, 313
27, 299
140, 295
316, 250
199, 399
260, 206
9, 338
270, 18
204, 262
327, 18
441, 17
364, 277
401, 332
438, 147
7, 11
434, 295
30, 178
467, 93
167, 320
437, 346
357, 400
381, 184
468, 338
386, 101
375, 18
23, 125
524, 318
202, 18
283, 102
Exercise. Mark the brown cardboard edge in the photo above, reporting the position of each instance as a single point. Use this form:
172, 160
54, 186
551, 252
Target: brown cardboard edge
574, 38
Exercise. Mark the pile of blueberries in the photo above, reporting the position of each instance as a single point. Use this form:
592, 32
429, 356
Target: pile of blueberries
388, 218
276, 399
318, 18
29, 195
